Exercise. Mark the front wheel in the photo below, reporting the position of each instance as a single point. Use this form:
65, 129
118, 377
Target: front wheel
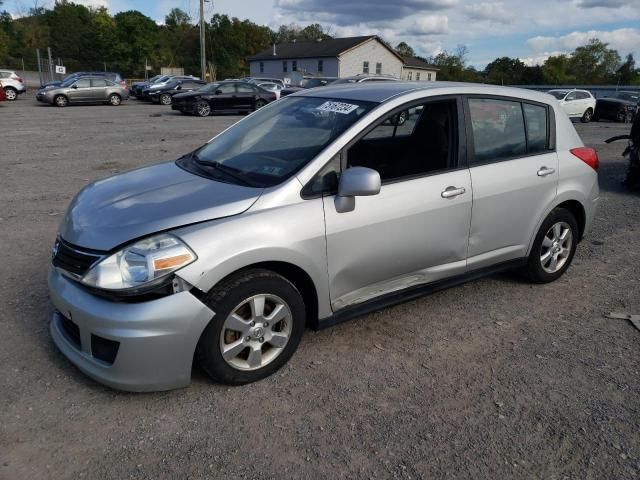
202, 109
115, 100
165, 99
61, 101
587, 116
10, 93
259, 104
259, 321
554, 247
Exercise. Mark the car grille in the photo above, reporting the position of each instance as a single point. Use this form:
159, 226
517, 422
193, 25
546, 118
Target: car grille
72, 259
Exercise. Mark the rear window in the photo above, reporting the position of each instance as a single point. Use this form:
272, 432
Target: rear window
505, 129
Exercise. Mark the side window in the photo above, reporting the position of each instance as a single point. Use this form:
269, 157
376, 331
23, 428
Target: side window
245, 88
365, 67
98, 83
284, 66
83, 83
536, 118
227, 88
326, 181
419, 140
570, 97
378, 68
498, 129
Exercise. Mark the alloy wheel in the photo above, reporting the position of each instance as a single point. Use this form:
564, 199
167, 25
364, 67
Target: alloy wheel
203, 109
165, 99
11, 94
115, 100
556, 247
256, 332
61, 101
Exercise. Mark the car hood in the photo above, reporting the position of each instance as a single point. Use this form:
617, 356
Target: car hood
51, 84
124, 207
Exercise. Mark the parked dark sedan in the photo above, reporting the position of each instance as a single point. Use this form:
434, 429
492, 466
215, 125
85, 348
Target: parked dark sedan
620, 107
137, 87
165, 93
313, 82
221, 96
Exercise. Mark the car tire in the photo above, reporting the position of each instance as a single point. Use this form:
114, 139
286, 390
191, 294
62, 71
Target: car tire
11, 94
553, 248
259, 104
403, 117
165, 99
60, 101
202, 109
596, 117
587, 116
115, 99
240, 345
621, 116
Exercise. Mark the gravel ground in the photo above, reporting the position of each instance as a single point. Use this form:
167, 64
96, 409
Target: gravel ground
493, 379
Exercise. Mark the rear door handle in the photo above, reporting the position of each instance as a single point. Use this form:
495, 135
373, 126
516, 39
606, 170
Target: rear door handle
544, 171
451, 192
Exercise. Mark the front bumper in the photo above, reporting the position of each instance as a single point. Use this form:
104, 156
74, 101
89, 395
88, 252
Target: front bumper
156, 339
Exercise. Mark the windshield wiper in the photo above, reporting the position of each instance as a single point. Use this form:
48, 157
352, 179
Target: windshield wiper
230, 172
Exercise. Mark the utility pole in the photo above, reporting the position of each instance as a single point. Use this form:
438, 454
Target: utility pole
203, 66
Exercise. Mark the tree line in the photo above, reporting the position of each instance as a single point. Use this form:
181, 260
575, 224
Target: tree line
87, 38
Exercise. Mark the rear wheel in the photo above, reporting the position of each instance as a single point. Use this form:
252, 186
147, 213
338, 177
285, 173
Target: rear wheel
554, 247
115, 100
621, 116
11, 93
202, 109
587, 116
259, 104
258, 323
61, 101
165, 99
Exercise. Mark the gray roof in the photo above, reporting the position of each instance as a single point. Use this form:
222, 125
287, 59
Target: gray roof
325, 48
413, 62
382, 91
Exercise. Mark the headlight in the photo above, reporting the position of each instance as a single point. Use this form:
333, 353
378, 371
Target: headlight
144, 263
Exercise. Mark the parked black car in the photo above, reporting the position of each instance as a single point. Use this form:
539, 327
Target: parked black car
144, 93
137, 87
165, 94
308, 83
221, 96
620, 107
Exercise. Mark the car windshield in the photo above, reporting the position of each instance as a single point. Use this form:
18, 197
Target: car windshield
275, 142
164, 78
627, 96
314, 82
559, 94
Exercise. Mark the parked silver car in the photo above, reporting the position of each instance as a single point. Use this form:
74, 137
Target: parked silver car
84, 90
310, 211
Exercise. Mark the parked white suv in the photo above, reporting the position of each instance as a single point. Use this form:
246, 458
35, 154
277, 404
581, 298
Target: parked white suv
577, 103
12, 83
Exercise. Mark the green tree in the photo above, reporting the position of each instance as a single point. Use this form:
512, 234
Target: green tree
405, 50
627, 72
594, 63
137, 37
556, 70
505, 71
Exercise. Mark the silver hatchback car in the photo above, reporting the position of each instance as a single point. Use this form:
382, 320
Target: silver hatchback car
313, 210
84, 90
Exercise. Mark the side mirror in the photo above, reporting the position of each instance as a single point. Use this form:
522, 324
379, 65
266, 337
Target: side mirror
356, 182
179, 87
74, 86
218, 92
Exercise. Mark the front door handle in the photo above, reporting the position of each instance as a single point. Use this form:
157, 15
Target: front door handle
451, 192
544, 171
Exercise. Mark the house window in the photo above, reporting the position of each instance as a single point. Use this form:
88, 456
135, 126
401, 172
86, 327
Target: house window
294, 66
417, 76
284, 66
378, 69
320, 66
429, 76
365, 67
261, 67
410, 76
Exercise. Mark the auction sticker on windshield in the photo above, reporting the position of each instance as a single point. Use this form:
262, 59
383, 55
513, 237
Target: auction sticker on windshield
337, 107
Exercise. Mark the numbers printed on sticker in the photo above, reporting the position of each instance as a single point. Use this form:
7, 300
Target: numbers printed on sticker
337, 107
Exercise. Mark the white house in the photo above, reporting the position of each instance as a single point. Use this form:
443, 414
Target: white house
336, 57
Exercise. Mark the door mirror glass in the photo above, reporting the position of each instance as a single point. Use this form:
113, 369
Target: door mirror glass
74, 86
218, 92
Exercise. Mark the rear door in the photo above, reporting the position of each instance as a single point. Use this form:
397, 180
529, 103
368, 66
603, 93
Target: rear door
514, 172
98, 91
246, 95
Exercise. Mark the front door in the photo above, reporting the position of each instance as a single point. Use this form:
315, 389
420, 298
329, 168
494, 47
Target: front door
224, 97
80, 91
415, 230
514, 171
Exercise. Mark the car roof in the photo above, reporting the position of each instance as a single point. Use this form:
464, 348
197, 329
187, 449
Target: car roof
382, 91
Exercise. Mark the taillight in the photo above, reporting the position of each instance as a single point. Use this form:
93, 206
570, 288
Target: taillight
588, 156
20, 79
